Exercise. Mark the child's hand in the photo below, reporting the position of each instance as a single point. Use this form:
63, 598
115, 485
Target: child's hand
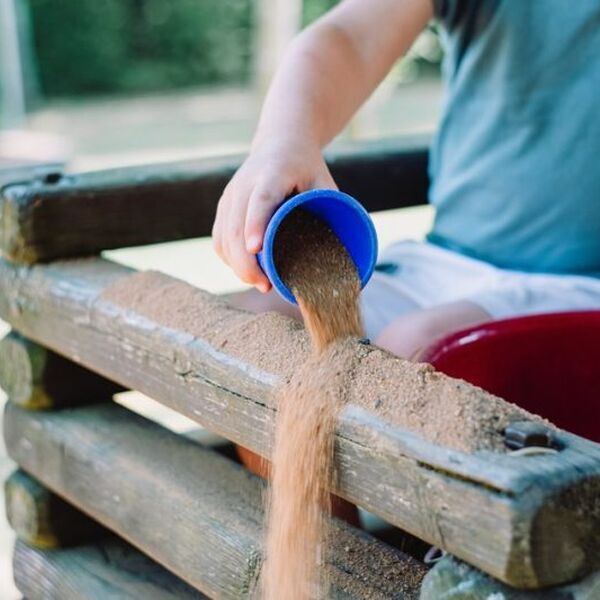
271, 173
326, 74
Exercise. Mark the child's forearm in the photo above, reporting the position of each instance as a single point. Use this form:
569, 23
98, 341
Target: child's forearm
333, 66
315, 90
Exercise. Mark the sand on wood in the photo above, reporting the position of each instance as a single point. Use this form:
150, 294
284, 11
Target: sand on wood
413, 396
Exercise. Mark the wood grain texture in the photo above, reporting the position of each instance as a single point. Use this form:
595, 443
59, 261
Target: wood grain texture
43, 519
451, 579
79, 215
497, 512
37, 378
107, 570
192, 510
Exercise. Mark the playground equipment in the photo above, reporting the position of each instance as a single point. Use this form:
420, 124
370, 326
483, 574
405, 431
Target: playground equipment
521, 523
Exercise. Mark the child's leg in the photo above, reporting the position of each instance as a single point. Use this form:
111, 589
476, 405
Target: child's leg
411, 333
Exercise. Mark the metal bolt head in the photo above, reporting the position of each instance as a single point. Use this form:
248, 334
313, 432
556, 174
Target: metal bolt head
52, 177
528, 434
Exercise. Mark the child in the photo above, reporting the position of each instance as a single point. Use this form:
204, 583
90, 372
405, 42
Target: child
515, 178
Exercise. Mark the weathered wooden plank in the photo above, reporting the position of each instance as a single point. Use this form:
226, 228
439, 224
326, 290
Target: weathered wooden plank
192, 510
43, 519
529, 520
451, 579
76, 215
37, 378
24, 172
107, 570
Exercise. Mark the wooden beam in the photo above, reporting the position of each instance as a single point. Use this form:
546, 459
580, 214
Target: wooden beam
37, 378
15, 172
192, 510
41, 518
107, 570
531, 521
451, 579
61, 216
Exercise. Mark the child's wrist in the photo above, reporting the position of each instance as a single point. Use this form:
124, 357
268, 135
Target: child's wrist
293, 140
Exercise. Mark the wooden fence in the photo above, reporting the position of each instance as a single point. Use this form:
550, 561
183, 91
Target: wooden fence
88, 327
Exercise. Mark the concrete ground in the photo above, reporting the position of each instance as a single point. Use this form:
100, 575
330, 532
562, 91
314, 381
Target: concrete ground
110, 133
7, 589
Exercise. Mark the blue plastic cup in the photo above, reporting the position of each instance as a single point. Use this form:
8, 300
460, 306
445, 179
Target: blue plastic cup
347, 218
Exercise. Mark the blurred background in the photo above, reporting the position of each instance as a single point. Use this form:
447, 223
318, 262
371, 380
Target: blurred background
98, 83
93, 84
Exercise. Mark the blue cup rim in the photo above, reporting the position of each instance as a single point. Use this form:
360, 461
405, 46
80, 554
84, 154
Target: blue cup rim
265, 256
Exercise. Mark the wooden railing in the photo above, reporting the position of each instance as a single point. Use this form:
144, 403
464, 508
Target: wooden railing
531, 521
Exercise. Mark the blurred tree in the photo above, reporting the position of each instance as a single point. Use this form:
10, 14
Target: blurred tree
81, 45
108, 46
277, 23
120, 46
187, 42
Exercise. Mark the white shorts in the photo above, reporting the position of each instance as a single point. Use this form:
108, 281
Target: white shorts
417, 275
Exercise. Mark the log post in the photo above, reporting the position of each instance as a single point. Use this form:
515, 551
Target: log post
278, 22
36, 378
41, 518
452, 579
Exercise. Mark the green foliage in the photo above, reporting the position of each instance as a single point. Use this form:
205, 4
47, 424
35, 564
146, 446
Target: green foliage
313, 9
81, 45
110, 46
120, 46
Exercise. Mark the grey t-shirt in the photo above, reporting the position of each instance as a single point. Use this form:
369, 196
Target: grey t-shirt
515, 166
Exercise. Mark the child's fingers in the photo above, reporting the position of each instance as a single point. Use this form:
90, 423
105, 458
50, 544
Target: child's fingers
239, 259
262, 204
220, 223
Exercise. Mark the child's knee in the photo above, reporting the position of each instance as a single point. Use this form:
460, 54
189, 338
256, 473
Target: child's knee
414, 332
410, 334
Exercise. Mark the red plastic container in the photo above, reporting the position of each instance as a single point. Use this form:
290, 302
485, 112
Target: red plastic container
548, 364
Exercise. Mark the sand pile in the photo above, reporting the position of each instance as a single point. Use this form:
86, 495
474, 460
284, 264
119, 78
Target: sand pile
413, 396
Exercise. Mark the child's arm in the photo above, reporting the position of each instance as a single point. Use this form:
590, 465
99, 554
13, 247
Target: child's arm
327, 73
